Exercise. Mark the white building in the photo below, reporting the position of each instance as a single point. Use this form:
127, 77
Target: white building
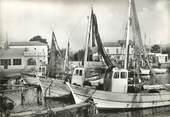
116, 50
24, 56
158, 58
33, 47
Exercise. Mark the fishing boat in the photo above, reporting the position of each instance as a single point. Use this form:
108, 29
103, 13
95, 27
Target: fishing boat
144, 71
156, 70
117, 92
89, 73
23, 100
56, 63
160, 70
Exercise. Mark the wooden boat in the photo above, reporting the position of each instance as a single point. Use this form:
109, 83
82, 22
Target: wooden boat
118, 98
156, 70
112, 100
125, 101
26, 100
159, 70
144, 71
57, 88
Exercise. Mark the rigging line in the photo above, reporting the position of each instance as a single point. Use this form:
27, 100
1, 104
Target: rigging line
56, 43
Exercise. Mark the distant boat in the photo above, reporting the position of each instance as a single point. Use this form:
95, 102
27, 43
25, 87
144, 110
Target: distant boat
144, 71
156, 70
56, 63
159, 70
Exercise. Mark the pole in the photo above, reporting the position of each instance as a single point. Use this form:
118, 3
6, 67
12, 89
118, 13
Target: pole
127, 37
87, 40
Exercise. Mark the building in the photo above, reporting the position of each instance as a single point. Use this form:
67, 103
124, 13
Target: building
24, 56
116, 50
158, 58
32, 47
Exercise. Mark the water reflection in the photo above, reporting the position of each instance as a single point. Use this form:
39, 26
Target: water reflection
154, 112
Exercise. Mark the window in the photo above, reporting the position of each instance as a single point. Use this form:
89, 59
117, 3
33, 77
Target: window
31, 61
80, 72
77, 71
166, 58
116, 75
5, 62
123, 75
39, 69
17, 62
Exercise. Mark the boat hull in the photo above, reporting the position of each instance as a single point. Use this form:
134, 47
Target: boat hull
144, 71
106, 100
156, 70
159, 71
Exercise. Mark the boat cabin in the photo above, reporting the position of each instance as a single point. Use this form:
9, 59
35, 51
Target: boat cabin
80, 75
119, 80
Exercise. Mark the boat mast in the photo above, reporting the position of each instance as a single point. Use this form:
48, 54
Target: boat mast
88, 38
127, 37
53, 57
66, 61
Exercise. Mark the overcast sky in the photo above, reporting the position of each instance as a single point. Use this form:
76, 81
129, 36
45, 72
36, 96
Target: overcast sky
23, 19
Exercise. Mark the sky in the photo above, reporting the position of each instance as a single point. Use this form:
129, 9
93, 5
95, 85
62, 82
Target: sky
20, 20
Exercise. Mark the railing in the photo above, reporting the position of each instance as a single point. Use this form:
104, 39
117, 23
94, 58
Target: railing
39, 54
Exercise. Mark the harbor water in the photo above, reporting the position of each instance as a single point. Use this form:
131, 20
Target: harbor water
154, 112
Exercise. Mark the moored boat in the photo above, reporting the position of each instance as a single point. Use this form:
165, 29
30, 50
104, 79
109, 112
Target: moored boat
144, 71
156, 70
160, 70
112, 100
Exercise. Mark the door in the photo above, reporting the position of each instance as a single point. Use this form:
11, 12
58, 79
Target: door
78, 77
120, 81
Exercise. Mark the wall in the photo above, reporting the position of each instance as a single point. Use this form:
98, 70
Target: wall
39, 49
24, 65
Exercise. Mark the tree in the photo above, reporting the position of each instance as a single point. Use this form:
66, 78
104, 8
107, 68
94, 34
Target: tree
156, 48
79, 55
39, 39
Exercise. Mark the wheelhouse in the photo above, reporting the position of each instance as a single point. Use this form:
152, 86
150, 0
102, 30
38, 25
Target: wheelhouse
119, 80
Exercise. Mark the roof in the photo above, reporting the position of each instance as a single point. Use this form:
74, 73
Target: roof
111, 44
27, 43
118, 43
12, 52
